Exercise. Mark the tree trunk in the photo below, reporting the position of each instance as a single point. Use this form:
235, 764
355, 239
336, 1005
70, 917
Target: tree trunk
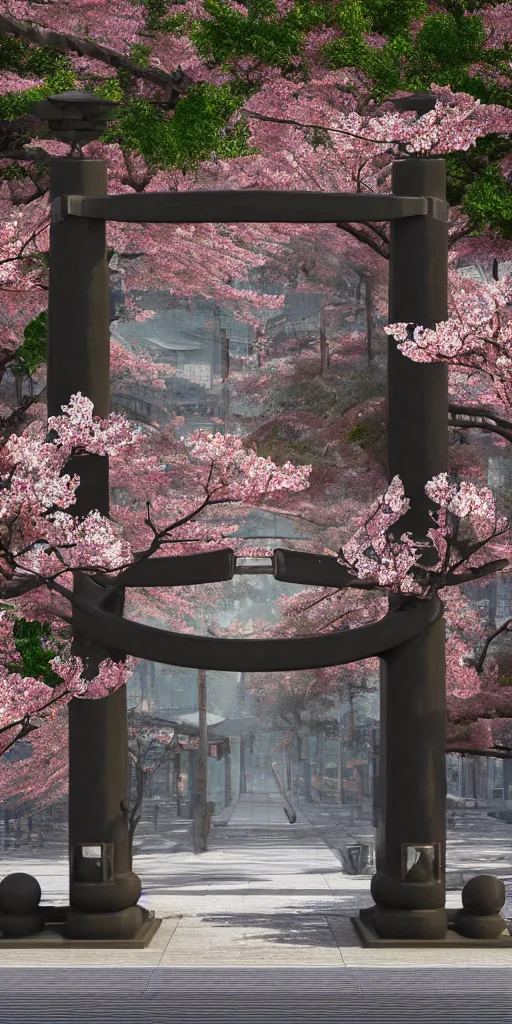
305, 766
288, 762
358, 307
492, 598
324, 348
133, 816
469, 779
369, 319
296, 773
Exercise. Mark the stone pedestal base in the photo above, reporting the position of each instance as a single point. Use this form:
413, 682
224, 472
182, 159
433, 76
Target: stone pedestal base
54, 934
363, 926
118, 924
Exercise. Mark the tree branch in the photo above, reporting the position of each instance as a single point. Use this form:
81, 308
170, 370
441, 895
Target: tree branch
483, 653
178, 82
453, 579
37, 153
476, 425
501, 752
361, 237
301, 124
475, 418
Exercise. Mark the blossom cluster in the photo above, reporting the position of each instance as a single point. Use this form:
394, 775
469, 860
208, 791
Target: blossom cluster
374, 554
243, 474
477, 336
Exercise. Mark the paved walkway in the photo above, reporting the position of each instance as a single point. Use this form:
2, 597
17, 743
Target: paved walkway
261, 810
255, 929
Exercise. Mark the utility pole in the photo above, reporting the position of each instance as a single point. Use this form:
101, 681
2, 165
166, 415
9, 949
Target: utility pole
357, 310
340, 756
214, 357
202, 768
225, 375
352, 746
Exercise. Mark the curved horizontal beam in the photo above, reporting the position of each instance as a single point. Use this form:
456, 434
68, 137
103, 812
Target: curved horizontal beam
126, 636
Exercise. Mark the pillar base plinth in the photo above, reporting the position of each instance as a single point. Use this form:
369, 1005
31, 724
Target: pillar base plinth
90, 924
54, 934
363, 926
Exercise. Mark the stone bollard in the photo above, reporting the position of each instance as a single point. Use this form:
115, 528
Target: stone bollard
20, 914
482, 899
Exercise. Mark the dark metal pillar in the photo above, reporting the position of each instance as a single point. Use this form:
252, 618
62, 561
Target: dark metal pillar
78, 360
413, 701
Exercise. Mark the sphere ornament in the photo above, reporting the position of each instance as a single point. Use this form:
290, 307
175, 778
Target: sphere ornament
483, 894
20, 914
20, 893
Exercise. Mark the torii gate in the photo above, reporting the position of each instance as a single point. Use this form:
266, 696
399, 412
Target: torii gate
409, 640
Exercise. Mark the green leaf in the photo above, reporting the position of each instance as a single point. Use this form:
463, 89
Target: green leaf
195, 131
140, 54
229, 36
488, 202
34, 660
19, 102
32, 352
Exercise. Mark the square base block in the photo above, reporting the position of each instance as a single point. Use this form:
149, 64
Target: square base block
53, 937
452, 940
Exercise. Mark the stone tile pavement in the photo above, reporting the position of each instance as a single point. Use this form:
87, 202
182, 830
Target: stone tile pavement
257, 928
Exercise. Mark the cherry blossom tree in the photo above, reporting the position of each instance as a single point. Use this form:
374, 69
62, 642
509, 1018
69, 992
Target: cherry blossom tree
42, 543
476, 342
148, 748
38, 781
